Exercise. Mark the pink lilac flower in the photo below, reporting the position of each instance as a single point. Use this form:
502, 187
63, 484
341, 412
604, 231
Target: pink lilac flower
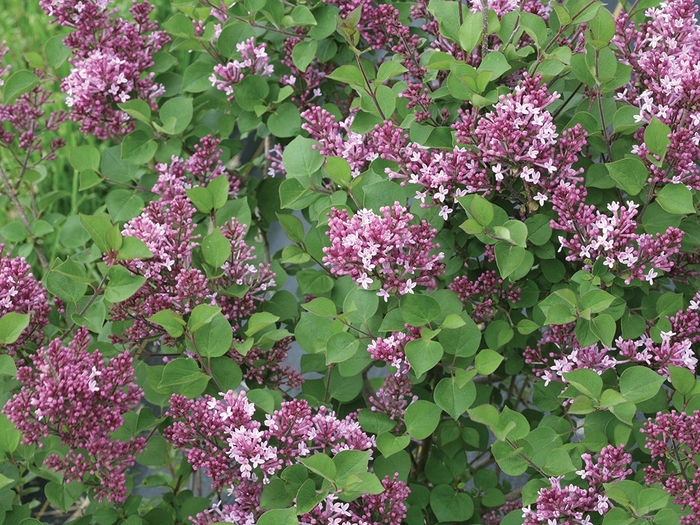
672, 440
573, 505
484, 294
173, 281
394, 396
517, 148
110, 56
612, 237
306, 83
383, 247
223, 438
254, 61
21, 293
662, 51
78, 396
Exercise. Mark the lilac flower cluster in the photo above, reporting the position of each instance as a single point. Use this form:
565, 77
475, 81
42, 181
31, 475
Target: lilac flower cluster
254, 61
612, 237
663, 51
25, 119
167, 229
672, 440
110, 55
306, 83
558, 352
517, 149
571, 504
77, 396
383, 247
484, 294
394, 396
21, 293
223, 438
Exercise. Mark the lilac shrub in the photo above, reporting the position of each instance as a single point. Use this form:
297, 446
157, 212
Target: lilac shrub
365, 262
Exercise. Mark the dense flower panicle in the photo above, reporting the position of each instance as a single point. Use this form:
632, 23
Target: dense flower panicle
571, 504
662, 52
484, 294
612, 237
264, 366
337, 140
21, 293
79, 397
672, 440
221, 437
394, 396
254, 61
26, 123
558, 352
383, 247
519, 143
110, 56
167, 229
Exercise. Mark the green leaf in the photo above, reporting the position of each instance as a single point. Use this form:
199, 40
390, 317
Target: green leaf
173, 323
682, 379
133, 248
586, 381
123, 205
226, 373
340, 347
12, 324
196, 77
9, 436
214, 338
300, 158
292, 226
630, 174
478, 208
470, 34
285, 121
389, 444
182, 376
419, 310
97, 227
56, 51
508, 258
138, 109
63, 495
453, 398
176, 115
639, 383
219, 188
421, 418
597, 300
18, 84
279, 517
84, 158
450, 505
251, 91
676, 199
487, 361
304, 53
259, 321
656, 137
320, 464
202, 198
604, 328
423, 355
375, 422
122, 284
138, 147
216, 248
7, 364
68, 281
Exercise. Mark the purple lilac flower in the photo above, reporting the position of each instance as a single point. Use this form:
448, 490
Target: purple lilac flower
21, 293
383, 247
78, 396
254, 61
672, 440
